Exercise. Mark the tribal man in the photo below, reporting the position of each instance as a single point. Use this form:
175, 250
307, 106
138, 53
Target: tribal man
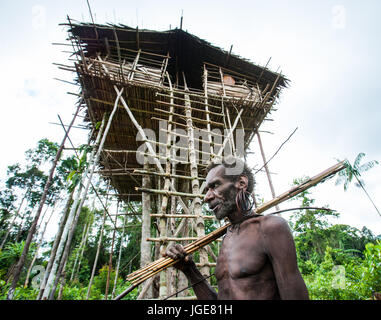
257, 259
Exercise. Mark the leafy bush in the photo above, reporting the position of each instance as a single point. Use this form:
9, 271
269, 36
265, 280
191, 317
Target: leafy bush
362, 276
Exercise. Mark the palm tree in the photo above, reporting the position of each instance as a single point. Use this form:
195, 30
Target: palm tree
350, 172
10, 255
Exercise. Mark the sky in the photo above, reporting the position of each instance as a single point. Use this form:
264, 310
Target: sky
328, 49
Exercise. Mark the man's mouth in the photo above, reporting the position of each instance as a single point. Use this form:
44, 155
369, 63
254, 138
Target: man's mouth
216, 207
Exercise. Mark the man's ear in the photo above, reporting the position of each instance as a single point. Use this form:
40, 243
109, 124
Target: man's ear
242, 182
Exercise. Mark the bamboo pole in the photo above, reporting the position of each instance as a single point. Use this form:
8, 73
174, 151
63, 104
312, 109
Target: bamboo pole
266, 168
231, 140
56, 242
150, 149
205, 75
145, 172
200, 96
84, 231
167, 182
119, 258
145, 245
174, 239
21, 262
180, 216
134, 65
145, 273
219, 153
218, 124
82, 194
197, 208
98, 250
170, 193
206, 110
200, 140
111, 253
145, 249
83, 246
38, 247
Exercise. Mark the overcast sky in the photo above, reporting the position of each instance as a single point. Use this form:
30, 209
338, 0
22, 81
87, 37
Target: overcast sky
330, 50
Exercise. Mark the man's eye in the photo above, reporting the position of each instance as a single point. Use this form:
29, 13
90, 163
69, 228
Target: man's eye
211, 187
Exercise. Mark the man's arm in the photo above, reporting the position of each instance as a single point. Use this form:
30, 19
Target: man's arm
200, 286
280, 248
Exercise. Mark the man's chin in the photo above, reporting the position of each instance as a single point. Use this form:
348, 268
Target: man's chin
219, 215
223, 212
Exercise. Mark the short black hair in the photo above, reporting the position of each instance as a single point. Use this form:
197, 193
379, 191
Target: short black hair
239, 168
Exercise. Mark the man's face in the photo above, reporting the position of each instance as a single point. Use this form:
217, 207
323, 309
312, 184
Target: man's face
221, 193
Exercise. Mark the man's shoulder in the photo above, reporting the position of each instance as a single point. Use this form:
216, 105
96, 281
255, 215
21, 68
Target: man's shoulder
268, 222
273, 223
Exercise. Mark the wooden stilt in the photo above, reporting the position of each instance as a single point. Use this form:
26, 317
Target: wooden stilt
266, 168
145, 245
164, 202
197, 202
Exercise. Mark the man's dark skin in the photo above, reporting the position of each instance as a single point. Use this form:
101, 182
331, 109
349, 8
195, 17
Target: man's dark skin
257, 259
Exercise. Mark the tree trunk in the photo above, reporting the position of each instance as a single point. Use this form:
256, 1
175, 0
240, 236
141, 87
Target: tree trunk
82, 250
94, 158
98, 249
119, 258
62, 285
111, 252
96, 255
21, 262
69, 222
37, 249
21, 226
75, 274
56, 243
84, 232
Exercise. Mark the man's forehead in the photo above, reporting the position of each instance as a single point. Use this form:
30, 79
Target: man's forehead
216, 172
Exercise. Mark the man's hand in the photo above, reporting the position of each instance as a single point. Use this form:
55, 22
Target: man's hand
177, 251
201, 287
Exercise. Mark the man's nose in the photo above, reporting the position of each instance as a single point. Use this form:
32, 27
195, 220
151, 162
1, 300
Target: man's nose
209, 196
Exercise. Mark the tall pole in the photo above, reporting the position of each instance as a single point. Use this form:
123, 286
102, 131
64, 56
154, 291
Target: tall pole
266, 168
195, 184
145, 245
111, 252
70, 224
82, 194
32, 230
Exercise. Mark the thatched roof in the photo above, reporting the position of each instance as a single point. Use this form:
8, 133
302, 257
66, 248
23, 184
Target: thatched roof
187, 51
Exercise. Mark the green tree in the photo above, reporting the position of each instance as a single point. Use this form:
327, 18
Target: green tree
9, 257
354, 171
322, 247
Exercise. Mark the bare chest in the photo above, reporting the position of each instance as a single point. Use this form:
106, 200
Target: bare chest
241, 255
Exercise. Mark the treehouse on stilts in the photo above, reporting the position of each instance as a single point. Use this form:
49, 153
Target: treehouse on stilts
169, 102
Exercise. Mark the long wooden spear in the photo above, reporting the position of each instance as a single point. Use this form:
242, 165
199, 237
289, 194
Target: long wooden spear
159, 265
